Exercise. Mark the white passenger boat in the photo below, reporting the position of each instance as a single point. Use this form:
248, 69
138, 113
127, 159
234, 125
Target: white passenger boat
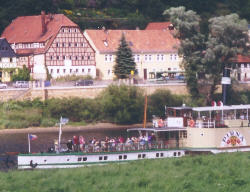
185, 130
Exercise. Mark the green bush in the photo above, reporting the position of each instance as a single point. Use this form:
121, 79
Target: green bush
123, 104
161, 98
48, 122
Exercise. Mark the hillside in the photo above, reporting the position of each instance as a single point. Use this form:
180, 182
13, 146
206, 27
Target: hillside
118, 13
223, 172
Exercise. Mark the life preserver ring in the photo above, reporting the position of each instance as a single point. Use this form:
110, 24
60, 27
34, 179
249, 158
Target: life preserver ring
191, 123
160, 123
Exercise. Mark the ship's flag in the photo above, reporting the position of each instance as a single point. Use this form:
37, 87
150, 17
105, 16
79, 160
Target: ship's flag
32, 137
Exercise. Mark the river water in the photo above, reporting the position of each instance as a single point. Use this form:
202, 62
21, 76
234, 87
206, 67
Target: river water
18, 142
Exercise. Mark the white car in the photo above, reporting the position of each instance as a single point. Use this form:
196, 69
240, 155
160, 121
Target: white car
3, 86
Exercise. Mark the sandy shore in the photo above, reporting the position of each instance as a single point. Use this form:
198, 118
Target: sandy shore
97, 126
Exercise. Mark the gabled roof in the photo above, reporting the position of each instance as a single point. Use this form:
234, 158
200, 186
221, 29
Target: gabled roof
140, 41
28, 29
158, 26
5, 49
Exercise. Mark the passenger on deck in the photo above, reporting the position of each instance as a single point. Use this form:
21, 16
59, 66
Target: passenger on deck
76, 143
81, 142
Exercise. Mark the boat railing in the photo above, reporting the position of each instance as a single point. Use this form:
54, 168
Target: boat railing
119, 147
204, 124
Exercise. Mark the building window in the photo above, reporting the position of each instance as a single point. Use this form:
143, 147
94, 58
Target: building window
88, 57
63, 44
64, 70
70, 70
82, 44
58, 70
89, 70
160, 57
76, 70
57, 57
108, 58
136, 58
82, 57
69, 44
76, 44
57, 44
63, 30
146, 57
69, 30
70, 57
51, 57
76, 57
51, 71
11, 60
64, 57
149, 57
109, 72
75, 30
83, 70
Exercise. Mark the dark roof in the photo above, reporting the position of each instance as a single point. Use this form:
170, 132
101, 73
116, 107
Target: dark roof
5, 49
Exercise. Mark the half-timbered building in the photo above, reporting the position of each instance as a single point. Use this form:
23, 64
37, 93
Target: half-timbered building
50, 44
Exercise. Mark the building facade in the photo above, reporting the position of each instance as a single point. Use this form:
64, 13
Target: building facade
155, 51
50, 44
8, 61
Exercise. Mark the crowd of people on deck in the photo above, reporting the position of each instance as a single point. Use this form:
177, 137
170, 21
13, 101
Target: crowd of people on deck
79, 143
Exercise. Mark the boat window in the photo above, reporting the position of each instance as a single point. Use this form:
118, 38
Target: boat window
157, 154
162, 154
120, 157
143, 155
79, 158
174, 154
67, 159
100, 158
45, 160
124, 156
84, 158
105, 157
139, 156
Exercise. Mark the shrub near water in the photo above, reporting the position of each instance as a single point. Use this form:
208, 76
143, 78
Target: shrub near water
223, 172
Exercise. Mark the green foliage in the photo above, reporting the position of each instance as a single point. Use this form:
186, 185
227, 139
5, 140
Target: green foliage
222, 172
161, 98
72, 78
22, 75
123, 104
124, 62
205, 56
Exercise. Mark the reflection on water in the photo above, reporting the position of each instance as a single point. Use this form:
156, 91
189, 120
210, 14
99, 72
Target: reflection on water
18, 142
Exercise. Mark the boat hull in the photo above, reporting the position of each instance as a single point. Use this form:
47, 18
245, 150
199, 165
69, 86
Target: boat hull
72, 160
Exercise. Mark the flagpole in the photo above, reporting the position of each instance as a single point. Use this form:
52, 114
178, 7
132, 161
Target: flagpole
29, 141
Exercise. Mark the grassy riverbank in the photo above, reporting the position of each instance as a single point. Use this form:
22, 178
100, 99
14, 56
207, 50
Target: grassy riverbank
223, 172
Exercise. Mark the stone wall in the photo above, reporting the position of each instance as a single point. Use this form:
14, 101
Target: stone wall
86, 92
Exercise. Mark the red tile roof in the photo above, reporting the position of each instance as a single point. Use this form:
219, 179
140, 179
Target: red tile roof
28, 29
242, 59
145, 41
158, 25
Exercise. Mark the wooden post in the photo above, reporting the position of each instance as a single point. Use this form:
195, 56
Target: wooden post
145, 112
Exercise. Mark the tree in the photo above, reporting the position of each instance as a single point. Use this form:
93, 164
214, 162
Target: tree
22, 74
205, 56
124, 60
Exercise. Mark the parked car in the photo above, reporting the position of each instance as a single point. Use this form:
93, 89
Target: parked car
180, 77
21, 84
3, 86
84, 82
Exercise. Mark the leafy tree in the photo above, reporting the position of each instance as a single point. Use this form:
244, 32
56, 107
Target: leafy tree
124, 60
205, 56
122, 104
22, 75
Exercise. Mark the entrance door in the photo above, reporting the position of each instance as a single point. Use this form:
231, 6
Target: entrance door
145, 74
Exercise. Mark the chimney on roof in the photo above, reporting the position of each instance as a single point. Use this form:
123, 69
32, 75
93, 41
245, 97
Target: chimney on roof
44, 28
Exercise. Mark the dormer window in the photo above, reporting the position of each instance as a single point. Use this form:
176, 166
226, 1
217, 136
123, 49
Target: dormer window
105, 43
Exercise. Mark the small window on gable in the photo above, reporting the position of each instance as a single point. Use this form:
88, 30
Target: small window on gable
11, 60
57, 44
105, 43
63, 30
51, 57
